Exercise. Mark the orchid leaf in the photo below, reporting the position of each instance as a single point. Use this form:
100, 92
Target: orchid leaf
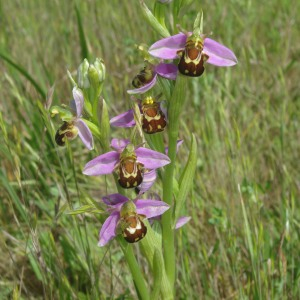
157, 274
88, 208
83, 43
186, 178
153, 22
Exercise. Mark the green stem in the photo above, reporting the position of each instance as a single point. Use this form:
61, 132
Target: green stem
175, 107
135, 270
151, 248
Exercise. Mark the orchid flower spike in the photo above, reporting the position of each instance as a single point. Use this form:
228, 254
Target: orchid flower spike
147, 78
193, 49
128, 162
153, 116
73, 124
126, 217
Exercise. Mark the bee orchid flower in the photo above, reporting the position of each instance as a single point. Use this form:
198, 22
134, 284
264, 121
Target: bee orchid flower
128, 162
126, 217
147, 78
73, 124
153, 116
193, 49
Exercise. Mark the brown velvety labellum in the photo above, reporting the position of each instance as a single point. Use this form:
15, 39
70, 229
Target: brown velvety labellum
153, 120
191, 63
136, 229
61, 134
144, 77
130, 173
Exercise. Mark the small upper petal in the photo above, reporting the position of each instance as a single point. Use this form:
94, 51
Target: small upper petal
151, 208
168, 71
79, 100
119, 144
218, 54
144, 88
182, 221
114, 199
108, 229
85, 134
167, 48
102, 164
125, 119
151, 159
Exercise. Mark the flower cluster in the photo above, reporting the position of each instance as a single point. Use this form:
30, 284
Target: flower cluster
135, 166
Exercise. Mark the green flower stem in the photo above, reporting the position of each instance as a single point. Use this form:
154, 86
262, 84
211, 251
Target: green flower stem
175, 107
151, 248
135, 270
95, 101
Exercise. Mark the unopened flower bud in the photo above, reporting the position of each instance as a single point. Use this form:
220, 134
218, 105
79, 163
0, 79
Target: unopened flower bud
82, 75
96, 73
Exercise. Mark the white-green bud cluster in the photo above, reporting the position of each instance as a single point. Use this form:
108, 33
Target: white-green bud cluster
91, 75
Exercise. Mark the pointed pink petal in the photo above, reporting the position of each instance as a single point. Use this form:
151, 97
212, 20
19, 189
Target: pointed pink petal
79, 101
167, 48
151, 159
85, 134
108, 230
148, 180
218, 54
102, 164
182, 221
151, 208
119, 144
114, 199
144, 88
125, 119
168, 71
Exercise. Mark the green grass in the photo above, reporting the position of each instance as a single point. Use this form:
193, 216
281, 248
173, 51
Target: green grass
243, 240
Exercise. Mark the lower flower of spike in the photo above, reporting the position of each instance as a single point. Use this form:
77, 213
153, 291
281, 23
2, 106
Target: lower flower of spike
131, 224
127, 217
153, 119
192, 59
66, 131
130, 171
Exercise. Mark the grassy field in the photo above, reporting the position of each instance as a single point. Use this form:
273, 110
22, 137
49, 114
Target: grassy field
243, 240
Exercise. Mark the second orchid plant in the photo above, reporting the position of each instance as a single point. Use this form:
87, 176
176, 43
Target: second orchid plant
129, 212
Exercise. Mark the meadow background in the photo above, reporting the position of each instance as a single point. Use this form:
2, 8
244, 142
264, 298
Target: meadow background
243, 240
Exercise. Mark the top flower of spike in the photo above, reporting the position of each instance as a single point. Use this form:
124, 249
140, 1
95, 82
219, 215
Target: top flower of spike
193, 49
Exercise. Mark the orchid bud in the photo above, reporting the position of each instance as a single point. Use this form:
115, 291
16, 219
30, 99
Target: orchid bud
82, 75
96, 73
